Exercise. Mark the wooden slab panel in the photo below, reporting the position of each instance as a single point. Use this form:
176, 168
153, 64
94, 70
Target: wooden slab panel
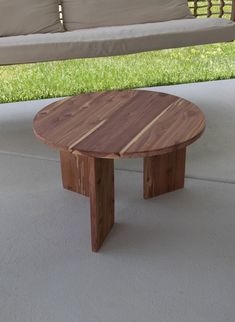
101, 182
75, 172
164, 173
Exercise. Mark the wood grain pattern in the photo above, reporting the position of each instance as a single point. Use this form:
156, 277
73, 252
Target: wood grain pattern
75, 172
101, 181
164, 173
120, 124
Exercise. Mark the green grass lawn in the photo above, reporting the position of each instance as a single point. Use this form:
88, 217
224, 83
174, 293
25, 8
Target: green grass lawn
54, 79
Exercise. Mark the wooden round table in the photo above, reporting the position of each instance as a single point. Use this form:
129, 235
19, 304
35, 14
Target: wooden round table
91, 130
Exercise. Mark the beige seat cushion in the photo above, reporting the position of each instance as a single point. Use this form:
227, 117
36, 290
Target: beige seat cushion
108, 41
22, 17
80, 14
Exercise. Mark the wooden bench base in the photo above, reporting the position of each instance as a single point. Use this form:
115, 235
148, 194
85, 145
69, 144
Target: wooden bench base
94, 177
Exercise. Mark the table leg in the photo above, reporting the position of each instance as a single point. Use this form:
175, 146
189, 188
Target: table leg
164, 173
101, 183
75, 172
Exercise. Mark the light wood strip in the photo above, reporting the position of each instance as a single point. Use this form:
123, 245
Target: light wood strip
147, 127
70, 148
178, 128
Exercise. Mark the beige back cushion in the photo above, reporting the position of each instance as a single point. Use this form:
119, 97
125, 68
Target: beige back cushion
79, 14
22, 17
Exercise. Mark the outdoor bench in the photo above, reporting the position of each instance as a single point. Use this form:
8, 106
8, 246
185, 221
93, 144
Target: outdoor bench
37, 31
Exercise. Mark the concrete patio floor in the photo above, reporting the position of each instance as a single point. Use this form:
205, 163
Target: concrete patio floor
168, 259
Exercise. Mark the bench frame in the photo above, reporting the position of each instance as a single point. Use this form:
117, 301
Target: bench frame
197, 5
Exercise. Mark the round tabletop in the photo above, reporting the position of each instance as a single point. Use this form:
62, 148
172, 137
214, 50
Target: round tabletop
120, 124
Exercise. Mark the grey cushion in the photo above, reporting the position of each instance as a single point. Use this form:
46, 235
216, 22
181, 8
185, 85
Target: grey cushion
21, 17
83, 14
108, 41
